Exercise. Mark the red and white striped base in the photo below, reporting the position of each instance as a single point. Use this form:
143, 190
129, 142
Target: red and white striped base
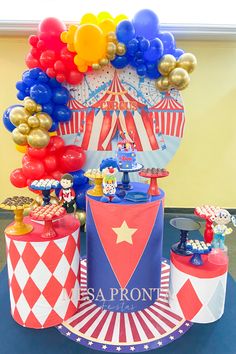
143, 330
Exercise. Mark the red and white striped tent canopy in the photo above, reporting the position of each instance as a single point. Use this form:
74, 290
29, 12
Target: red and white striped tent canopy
168, 116
76, 123
117, 111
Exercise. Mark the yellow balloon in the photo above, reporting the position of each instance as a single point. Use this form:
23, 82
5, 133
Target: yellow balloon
89, 18
18, 137
21, 148
120, 18
107, 26
52, 133
38, 138
166, 64
24, 128
81, 216
33, 122
179, 78
45, 120
83, 68
30, 105
187, 61
19, 115
104, 16
90, 43
162, 84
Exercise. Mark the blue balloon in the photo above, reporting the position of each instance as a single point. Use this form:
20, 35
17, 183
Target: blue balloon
120, 62
152, 71
54, 83
125, 31
155, 51
34, 73
61, 113
54, 126
81, 196
27, 80
144, 44
42, 77
21, 86
6, 118
48, 108
60, 95
168, 41
79, 178
21, 95
178, 52
132, 46
141, 70
146, 24
41, 93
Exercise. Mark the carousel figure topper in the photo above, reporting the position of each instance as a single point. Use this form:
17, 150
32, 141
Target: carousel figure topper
109, 169
221, 219
67, 193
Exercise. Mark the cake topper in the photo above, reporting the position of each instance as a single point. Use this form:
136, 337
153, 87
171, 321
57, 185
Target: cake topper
109, 168
67, 193
221, 218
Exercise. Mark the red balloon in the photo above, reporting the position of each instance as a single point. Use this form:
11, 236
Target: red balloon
50, 163
74, 77
47, 58
25, 158
59, 66
33, 40
72, 158
51, 72
18, 178
60, 77
32, 168
55, 144
57, 175
36, 153
32, 62
51, 25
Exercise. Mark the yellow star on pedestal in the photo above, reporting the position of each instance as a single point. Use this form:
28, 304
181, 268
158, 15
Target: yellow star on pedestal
124, 233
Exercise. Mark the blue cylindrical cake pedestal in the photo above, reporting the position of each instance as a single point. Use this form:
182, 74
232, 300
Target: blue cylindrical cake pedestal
124, 250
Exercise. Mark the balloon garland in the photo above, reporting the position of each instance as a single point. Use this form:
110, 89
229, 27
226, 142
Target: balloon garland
64, 55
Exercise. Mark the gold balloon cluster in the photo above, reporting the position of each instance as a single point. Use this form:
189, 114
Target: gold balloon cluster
175, 73
81, 216
31, 123
94, 40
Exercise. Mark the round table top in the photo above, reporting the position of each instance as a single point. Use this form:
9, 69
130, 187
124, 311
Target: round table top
185, 224
63, 227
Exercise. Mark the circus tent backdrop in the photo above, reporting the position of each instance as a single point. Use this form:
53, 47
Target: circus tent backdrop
168, 116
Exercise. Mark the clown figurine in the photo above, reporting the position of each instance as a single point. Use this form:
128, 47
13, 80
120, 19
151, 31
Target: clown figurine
109, 168
222, 218
67, 193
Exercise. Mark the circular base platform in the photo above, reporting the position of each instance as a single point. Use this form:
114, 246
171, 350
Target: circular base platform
18, 230
151, 328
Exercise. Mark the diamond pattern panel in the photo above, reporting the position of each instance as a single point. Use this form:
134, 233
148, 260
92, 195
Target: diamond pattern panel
188, 300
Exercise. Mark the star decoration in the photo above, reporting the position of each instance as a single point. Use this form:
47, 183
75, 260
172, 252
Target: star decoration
132, 349
159, 342
68, 334
90, 343
187, 324
78, 339
118, 349
180, 331
171, 337
146, 346
59, 327
124, 233
104, 347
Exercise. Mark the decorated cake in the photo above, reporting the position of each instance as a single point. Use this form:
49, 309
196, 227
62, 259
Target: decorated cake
126, 154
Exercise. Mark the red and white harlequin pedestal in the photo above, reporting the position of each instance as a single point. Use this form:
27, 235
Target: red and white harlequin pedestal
197, 293
44, 274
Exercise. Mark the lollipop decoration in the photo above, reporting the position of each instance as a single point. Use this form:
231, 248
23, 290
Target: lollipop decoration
47, 214
198, 248
17, 204
222, 218
153, 174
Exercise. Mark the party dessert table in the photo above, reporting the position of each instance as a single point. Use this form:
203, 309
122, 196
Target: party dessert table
44, 273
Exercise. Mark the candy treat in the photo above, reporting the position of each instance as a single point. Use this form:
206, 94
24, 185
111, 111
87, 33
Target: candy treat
43, 184
17, 204
198, 248
153, 173
48, 213
96, 176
